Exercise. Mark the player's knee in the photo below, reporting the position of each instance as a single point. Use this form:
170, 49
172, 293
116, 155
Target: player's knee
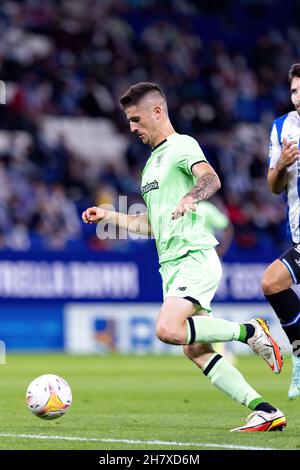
270, 283
161, 332
170, 334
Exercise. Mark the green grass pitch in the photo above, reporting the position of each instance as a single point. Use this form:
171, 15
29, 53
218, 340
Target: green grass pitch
139, 398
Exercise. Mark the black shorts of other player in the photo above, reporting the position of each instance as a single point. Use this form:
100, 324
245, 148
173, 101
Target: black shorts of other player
291, 259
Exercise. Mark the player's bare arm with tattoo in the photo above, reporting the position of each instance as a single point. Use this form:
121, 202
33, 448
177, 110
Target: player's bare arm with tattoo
207, 184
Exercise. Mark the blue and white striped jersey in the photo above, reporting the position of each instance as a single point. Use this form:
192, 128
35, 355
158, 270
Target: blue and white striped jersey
288, 127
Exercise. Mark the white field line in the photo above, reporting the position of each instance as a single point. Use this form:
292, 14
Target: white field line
132, 441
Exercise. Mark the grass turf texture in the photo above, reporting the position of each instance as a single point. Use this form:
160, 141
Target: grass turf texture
145, 398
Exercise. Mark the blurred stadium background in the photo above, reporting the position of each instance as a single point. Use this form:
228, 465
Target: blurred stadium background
65, 145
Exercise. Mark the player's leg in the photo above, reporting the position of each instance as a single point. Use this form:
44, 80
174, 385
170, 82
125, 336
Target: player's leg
224, 376
189, 285
171, 323
276, 284
177, 325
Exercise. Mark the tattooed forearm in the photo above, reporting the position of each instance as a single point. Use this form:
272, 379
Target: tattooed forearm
206, 186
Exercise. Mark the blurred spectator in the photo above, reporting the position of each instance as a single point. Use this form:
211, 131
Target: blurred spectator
222, 64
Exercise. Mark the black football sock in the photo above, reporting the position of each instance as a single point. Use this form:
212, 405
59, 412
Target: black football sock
264, 406
286, 305
248, 331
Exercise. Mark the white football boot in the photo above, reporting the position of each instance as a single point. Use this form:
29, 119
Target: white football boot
264, 345
261, 421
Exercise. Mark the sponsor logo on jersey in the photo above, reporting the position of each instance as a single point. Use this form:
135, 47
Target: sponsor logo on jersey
149, 187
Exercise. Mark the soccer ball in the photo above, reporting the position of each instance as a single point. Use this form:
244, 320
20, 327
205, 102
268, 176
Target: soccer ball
48, 396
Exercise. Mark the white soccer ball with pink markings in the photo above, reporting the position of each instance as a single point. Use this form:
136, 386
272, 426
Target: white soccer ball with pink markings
49, 396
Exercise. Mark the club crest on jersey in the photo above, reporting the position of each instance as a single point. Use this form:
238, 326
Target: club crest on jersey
158, 159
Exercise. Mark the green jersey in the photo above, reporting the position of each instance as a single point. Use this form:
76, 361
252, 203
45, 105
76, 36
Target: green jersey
166, 179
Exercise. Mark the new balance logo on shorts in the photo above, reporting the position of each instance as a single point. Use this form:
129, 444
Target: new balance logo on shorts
181, 288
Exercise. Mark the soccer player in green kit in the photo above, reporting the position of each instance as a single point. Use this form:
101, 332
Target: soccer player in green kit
175, 179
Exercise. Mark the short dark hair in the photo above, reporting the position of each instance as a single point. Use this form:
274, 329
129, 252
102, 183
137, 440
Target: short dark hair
294, 72
138, 91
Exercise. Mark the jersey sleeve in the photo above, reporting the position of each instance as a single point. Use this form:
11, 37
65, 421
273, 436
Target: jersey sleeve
189, 153
275, 148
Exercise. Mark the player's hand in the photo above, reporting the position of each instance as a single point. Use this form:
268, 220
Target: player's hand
185, 205
290, 153
93, 215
